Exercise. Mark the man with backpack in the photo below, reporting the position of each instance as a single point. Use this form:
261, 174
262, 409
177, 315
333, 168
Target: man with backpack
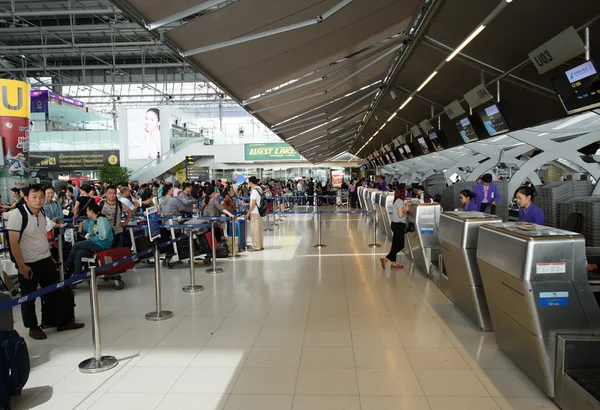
113, 209
30, 252
258, 208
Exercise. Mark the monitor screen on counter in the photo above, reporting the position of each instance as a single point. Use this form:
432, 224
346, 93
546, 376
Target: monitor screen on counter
493, 120
423, 145
435, 141
579, 87
466, 130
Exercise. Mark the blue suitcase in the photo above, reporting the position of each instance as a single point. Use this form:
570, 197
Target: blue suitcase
240, 232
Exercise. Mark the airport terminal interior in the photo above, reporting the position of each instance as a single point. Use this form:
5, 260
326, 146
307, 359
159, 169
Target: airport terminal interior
300, 204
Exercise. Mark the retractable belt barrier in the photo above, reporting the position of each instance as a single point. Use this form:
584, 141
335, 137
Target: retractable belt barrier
100, 269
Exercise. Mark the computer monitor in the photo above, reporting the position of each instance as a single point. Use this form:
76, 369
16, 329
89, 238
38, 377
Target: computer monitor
408, 151
579, 87
466, 129
436, 140
493, 120
423, 145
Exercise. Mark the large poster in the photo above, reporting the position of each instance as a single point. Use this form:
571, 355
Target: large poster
143, 133
74, 160
14, 126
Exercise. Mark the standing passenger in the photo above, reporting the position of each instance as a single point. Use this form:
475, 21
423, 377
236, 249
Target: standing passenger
398, 227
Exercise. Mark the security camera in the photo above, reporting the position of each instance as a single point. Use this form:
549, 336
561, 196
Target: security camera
393, 95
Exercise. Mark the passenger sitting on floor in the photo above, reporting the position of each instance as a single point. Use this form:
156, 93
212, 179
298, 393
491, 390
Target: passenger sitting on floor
98, 234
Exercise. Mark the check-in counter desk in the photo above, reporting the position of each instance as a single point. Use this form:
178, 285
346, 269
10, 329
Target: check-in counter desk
425, 250
461, 280
360, 193
536, 285
376, 197
369, 201
384, 222
389, 210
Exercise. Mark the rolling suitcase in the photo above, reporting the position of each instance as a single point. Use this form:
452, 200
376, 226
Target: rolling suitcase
240, 232
113, 255
222, 249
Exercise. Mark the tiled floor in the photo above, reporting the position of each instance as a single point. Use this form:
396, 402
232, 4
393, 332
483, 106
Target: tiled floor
290, 328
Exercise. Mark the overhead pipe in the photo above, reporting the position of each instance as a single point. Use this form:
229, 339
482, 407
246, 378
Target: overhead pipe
268, 33
64, 45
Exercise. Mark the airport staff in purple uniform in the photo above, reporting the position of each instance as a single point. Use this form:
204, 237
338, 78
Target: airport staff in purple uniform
486, 193
466, 198
528, 211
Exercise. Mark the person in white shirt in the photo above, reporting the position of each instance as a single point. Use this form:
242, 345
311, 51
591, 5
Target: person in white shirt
254, 216
177, 189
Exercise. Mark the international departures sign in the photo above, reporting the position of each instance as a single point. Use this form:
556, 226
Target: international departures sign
269, 152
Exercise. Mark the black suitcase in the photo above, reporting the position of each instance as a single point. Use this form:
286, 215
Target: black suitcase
58, 307
6, 316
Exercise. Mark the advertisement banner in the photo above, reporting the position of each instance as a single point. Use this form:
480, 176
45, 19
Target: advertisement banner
39, 101
14, 127
143, 133
74, 160
270, 152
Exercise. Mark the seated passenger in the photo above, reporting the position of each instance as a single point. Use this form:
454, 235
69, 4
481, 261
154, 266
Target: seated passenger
99, 237
528, 211
466, 198
113, 209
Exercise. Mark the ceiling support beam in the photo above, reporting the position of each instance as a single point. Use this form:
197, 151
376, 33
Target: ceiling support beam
185, 13
57, 13
244, 39
473, 62
93, 67
78, 45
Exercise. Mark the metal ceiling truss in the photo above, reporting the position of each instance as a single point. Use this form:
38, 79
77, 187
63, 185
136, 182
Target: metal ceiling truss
427, 9
200, 9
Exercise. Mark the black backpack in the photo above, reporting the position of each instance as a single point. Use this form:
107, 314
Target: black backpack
263, 208
14, 366
24, 220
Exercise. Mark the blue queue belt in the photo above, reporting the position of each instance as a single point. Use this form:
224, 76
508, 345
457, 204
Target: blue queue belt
67, 282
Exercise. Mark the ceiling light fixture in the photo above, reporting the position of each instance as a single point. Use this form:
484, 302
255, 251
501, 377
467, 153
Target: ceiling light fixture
405, 102
465, 43
426, 81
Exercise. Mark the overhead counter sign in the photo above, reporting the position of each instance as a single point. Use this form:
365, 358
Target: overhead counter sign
270, 152
558, 50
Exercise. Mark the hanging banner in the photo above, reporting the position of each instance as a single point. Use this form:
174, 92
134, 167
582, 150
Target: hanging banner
269, 152
14, 127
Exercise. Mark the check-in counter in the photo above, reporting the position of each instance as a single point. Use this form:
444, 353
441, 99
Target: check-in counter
389, 210
461, 280
384, 220
535, 281
376, 196
360, 193
426, 250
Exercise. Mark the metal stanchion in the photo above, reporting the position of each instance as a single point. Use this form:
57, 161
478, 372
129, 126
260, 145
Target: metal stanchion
234, 255
275, 220
268, 229
214, 268
375, 244
61, 259
320, 244
158, 314
98, 363
192, 287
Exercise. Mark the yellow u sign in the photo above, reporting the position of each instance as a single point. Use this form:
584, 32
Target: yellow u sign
14, 99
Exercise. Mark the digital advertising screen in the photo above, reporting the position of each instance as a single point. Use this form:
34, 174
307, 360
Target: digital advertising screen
401, 154
408, 151
423, 145
466, 130
143, 133
579, 87
436, 141
493, 120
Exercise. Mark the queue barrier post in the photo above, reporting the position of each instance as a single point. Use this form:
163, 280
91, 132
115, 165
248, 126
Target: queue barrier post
268, 229
61, 258
214, 268
192, 287
375, 244
234, 246
98, 363
320, 244
158, 314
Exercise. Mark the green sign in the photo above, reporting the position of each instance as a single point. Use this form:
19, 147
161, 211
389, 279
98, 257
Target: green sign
269, 152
